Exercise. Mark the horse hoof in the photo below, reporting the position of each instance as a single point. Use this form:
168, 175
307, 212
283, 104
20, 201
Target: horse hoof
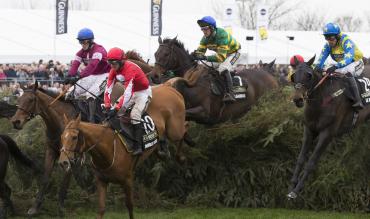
292, 195
32, 212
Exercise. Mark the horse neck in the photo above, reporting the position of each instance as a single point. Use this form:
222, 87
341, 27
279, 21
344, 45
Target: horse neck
53, 115
184, 62
318, 92
99, 142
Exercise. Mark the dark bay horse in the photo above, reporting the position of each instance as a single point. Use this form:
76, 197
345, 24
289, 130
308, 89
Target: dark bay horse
9, 148
194, 82
112, 162
35, 102
328, 114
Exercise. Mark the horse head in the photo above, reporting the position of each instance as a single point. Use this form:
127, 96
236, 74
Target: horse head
27, 107
73, 143
302, 79
269, 67
171, 56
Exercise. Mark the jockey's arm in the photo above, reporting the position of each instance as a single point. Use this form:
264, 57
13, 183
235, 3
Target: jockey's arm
108, 89
125, 98
74, 67
323, 56
349, 54
93, 64
202, 48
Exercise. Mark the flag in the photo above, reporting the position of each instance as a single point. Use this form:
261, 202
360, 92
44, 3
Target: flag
156, 18
61, 16
262, 21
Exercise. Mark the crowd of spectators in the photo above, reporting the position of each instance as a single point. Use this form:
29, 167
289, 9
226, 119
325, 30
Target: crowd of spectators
49, 71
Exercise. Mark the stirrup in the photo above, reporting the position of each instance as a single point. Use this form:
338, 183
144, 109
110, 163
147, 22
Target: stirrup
358, 105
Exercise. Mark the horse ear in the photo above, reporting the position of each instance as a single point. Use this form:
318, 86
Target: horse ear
272, 63
160, 41
174, 39
65, 119
310, 62
296, 62
36, 85
79, 117
260, 62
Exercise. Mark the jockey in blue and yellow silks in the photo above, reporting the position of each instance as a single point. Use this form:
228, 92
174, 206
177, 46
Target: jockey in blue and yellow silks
347, 55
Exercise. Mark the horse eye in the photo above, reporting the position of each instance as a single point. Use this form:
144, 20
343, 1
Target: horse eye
74, 137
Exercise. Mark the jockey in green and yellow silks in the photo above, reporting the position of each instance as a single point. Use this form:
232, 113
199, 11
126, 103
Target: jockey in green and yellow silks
347, 55
225, 46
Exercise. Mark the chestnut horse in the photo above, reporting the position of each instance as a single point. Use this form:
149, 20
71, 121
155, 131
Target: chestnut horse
196, 82
110, 158
328, 114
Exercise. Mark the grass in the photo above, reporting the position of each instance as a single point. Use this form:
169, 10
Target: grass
214, 213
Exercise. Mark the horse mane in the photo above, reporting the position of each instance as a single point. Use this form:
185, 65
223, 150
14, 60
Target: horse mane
177, 42
132, 54
50, 92
193, 74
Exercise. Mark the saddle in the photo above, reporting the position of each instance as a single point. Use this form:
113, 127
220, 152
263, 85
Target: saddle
125, 131
218, 86
363, 84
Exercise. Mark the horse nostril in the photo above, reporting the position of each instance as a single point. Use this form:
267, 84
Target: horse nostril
16, 124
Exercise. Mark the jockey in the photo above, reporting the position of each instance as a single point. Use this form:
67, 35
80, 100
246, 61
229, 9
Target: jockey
226, 48
347, 55
137, 93
94, 57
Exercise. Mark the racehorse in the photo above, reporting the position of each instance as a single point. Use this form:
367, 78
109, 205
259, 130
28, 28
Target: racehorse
136, 58
328, 113
202, 86
110, 159
35, 102
7, 110
9, 148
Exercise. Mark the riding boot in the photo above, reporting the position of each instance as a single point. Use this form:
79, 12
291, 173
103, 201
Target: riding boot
354, 89
229, 95
92, 108
138, 132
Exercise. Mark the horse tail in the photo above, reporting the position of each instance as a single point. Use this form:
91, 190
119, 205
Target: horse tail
17, 153
188, 140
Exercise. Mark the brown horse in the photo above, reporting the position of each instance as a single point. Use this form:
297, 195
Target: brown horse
110, 158
35, 102
204, 104
136, 58
9, 148
328, 114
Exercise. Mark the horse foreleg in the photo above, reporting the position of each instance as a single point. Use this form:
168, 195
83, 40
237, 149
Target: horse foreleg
302, 157
102, 193
63, 191
50, 157
129, 196
325, 138
179, 153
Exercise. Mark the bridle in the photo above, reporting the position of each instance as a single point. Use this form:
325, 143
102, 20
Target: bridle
78, 148
30, 114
